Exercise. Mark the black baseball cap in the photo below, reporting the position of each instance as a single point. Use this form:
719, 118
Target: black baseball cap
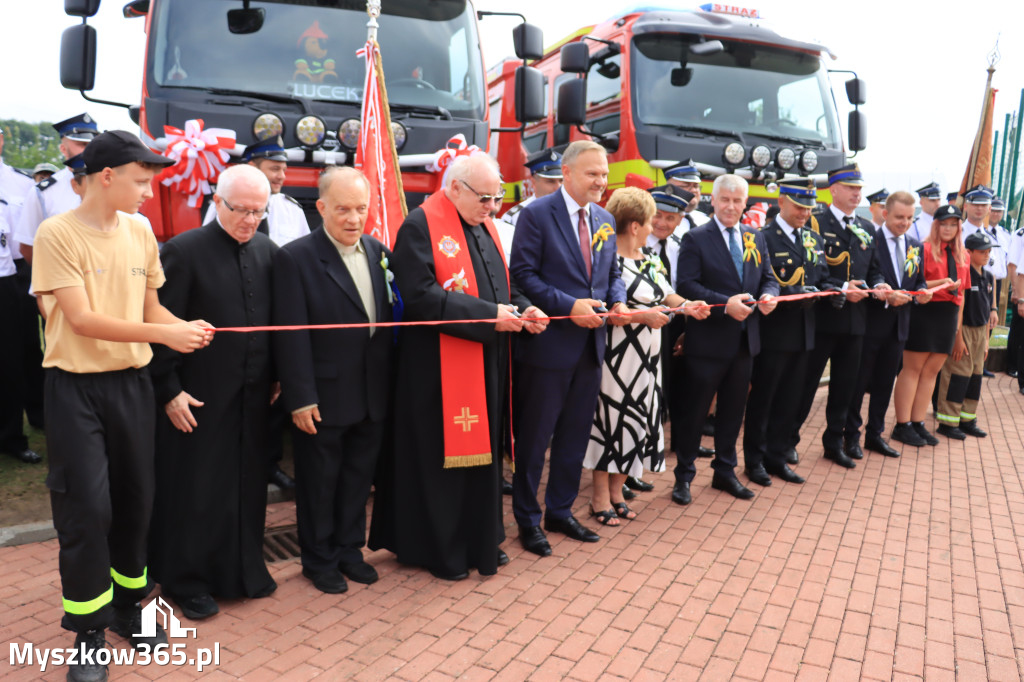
116, 148
979, 240
947, 211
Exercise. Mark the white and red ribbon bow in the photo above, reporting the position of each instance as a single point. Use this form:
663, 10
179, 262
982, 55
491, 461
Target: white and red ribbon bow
756, 216
199, 155
455, 148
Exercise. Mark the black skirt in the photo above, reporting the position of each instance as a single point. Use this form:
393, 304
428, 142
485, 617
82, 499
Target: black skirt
932, 327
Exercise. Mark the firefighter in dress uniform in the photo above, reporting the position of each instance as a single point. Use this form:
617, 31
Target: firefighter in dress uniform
929, 196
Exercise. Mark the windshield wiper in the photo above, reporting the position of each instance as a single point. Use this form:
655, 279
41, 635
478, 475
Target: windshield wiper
423, 109
697, 129
785, 138
268, 96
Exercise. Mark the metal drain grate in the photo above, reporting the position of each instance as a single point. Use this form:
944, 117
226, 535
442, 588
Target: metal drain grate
280, 544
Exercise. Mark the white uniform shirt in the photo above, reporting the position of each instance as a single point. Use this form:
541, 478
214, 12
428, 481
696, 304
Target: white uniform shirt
285, 218
506, 232
13, 188
50, 197
997, 257
512, 215
672, 245
1015, 254
921, 227
7, 243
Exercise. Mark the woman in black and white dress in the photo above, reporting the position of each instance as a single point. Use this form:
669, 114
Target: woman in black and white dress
627, 437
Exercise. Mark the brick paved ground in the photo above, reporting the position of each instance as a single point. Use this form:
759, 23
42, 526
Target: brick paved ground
899, 569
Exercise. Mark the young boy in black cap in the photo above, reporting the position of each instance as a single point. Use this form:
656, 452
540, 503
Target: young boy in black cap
960, 378
97, 272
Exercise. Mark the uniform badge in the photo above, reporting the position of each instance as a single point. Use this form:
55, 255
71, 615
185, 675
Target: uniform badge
3, 239
789, 261
448, 246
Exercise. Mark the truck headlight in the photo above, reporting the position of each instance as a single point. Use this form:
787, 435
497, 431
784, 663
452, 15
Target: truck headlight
267, 126
734, 153
348, 133
761, 156
785, 158
311, 131
808, 161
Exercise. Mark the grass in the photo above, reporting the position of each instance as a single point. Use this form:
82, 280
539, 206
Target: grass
998, 337
23, 494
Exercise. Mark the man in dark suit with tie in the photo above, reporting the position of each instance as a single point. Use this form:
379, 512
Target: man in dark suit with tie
840, 323
723, 263
564, 260
797, 259
334, 382
888, 323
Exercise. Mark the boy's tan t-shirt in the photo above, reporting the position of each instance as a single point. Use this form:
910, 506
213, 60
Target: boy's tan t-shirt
115, 268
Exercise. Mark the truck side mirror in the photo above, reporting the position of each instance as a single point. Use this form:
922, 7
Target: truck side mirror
528, 41
575, 58
857, 130
245, 21
856, 91
81, 8
78, 57
529, 95
572, 102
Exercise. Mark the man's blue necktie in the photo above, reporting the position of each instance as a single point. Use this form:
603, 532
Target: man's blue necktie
734, 249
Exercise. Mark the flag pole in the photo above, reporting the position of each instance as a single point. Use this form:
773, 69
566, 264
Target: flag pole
373, 9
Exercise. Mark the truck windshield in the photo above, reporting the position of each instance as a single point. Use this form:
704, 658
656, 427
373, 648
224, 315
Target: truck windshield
745, 89
430, 51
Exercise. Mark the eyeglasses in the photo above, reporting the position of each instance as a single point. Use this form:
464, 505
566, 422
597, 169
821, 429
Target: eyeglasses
485, 198
246, 213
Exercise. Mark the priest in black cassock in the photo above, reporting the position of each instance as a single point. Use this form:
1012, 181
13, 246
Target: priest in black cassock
438, 496
206, 538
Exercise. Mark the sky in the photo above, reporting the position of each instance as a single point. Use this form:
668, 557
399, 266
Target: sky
924, 64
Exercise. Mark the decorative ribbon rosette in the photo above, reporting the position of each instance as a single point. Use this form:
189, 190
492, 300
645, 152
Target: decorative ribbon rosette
756, 216
653, 263
750, 249
864, 237
810, 254
389, 278
913, 262
601, 236
455, 147
199, 155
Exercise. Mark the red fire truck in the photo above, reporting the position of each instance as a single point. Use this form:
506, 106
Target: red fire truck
659, 87
289, 68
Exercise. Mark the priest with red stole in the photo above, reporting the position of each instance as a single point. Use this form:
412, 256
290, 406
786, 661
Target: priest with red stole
438, 496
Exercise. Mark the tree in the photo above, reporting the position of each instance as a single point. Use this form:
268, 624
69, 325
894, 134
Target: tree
27, 144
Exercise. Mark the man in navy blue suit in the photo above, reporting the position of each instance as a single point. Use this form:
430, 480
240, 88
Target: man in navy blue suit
723, 263
564, 260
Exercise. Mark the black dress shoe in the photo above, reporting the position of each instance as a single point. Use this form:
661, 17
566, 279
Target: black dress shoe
442, 575
905, 433
506, 487
732, 486
638, 484
197, 607
534, 540
758, 475
266, 591
359, 572
705, 452
839, 457
627, 493
328, 582
924, 433
681, 493
791, 456
502, 558
571, 527
853, 451
281, 479
1011, 373
971, 428
784, 472
877, 444
950, 431
27, 456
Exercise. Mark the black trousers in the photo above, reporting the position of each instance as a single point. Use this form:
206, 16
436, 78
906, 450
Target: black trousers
1015, 342
31, 326
101, 483
333, 473
773, 405
702, 379
12, 435
843, 350
880, 361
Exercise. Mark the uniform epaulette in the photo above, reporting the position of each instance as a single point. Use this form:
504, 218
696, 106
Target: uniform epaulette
1020, 232
676, 238
21, 172
46, 184
291, 199
514, 210
814, 225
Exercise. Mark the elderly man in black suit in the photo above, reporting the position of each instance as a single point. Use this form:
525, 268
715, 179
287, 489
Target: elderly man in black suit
723, 263
798, 264
839, 336
888, 324
335, 382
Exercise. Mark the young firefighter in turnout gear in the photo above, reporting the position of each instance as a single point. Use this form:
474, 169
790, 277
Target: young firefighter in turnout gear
797, 258
960, 378
97, 272
853, 265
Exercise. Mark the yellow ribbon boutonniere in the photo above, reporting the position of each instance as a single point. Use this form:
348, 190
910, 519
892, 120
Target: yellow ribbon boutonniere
601, 236
750, 248
913, 260
810, 249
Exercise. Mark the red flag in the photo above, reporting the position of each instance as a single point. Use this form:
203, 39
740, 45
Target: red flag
979, 167
376, 155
